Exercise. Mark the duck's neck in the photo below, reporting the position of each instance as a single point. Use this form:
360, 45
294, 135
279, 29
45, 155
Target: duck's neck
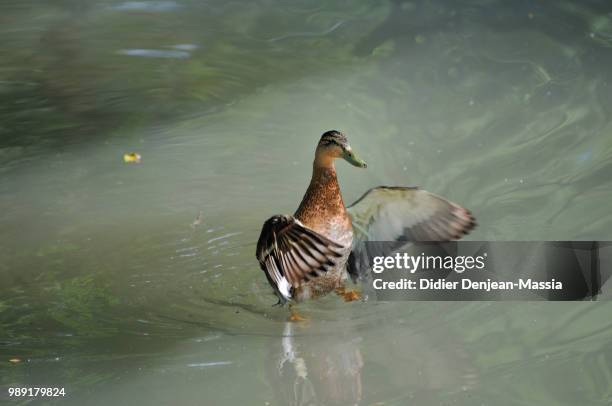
322, 201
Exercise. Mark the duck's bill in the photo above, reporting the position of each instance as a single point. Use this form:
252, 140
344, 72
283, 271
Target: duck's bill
353, 159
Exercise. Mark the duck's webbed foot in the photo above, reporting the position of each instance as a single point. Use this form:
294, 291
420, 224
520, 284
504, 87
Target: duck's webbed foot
295, 316
349, 295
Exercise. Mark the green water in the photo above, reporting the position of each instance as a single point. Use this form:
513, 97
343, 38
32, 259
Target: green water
108, 289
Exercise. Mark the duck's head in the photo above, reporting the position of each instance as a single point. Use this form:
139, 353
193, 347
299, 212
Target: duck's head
333, 144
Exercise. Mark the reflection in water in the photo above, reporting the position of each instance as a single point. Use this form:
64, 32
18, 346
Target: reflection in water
311, 365
151, 6
155, 53
323, 370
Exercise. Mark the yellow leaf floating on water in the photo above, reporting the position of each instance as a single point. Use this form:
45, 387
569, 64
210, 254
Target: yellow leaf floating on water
14, 360
132, 157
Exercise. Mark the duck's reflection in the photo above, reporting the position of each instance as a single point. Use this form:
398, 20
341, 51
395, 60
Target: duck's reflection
323, 363
316, 369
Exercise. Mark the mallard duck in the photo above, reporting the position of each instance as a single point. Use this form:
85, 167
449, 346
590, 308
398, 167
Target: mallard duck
305, 256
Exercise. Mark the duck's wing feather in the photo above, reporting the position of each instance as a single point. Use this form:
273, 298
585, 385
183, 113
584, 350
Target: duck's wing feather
290, 254
408, 214
404, 214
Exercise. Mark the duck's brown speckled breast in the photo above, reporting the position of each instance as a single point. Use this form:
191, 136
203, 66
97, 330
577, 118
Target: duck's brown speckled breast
323, 211
322, 208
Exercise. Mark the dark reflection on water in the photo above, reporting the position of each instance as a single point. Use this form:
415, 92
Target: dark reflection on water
137, 283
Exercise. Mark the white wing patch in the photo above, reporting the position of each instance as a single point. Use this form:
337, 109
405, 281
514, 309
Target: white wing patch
283, 288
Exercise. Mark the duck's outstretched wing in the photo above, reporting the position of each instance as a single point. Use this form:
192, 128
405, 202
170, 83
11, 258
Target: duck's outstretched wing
290, 254
404, 214
408, 214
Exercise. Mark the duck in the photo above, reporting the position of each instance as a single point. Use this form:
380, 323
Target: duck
315, 251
